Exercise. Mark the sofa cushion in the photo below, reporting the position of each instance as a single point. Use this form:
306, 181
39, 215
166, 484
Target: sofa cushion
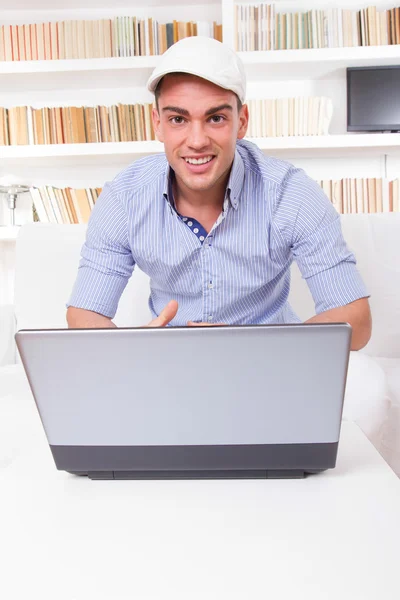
47, 261
374, 239
390, 442
367, 400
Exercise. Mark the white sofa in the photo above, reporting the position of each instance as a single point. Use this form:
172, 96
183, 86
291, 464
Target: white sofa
47, 259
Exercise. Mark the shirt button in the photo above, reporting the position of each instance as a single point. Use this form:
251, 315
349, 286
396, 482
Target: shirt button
210, 318
210, 285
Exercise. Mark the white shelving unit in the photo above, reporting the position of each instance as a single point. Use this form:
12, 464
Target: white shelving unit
44, 82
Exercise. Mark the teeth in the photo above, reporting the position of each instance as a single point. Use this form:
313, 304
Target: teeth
198, 161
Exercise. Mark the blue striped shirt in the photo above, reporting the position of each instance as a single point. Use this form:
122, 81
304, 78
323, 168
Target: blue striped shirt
273, 213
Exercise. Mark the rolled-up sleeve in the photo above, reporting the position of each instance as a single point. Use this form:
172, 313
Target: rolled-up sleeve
318, 246
106, 260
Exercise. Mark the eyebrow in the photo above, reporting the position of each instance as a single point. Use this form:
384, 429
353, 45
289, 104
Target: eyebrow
185, 113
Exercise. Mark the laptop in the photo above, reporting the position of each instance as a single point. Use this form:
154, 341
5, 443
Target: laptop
262, 401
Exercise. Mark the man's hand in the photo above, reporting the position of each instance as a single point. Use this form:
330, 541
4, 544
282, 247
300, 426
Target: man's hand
169, 312
357, 314
165, 316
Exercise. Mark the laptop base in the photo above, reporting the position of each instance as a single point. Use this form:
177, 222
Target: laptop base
239, 461
229, 474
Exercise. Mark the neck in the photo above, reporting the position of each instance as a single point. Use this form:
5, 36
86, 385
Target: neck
212, 198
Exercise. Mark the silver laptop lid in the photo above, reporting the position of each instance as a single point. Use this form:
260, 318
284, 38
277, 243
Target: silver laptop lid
274, 384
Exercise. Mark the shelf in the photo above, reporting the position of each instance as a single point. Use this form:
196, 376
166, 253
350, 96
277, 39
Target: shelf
273, 65
8, 234
73, 65
332, 145
64, 150
316, 63
51, 5
76, 74
317, 145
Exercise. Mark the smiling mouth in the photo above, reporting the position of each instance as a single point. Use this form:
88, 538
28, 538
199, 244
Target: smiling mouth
199, 161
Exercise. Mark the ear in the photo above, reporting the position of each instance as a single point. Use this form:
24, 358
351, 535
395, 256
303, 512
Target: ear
156, 124
243, 122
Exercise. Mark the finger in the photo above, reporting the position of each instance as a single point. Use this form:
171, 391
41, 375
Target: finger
166, 315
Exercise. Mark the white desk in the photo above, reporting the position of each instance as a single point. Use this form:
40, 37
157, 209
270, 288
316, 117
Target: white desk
334, 536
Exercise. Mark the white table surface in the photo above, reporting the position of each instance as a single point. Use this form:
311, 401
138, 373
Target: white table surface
331, 536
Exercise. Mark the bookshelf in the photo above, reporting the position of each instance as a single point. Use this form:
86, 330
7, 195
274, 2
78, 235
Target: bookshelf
278, 73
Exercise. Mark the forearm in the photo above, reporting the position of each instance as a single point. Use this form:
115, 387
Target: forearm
79, 318
357, 314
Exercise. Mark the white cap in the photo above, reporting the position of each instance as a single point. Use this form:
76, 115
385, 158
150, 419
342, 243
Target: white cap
206, 58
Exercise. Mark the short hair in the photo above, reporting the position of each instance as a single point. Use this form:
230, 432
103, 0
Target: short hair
157, 91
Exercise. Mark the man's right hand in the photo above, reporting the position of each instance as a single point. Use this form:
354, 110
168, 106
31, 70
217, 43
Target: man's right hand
165, 316
80, 318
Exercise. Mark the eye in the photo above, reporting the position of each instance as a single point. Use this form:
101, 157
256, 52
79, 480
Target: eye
177, 120
217, 118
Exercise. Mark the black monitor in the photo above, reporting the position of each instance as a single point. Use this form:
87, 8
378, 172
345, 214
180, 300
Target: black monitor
373, 98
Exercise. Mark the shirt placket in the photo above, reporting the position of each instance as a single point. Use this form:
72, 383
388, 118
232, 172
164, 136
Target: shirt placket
208, 284
208, 270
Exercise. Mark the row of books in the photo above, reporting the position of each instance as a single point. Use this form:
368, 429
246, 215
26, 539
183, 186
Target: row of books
261, 27
69, 205
363, 195
23, 125
63, 205
275, 117
102, 38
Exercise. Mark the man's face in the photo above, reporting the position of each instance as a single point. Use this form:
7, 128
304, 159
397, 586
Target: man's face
199, 124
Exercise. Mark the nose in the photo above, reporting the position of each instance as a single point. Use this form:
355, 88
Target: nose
197, 137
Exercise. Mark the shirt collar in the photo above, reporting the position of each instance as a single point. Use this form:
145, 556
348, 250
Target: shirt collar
236, 180
233, 188
167, 191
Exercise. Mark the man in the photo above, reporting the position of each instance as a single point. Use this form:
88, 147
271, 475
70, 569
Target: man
214, 222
